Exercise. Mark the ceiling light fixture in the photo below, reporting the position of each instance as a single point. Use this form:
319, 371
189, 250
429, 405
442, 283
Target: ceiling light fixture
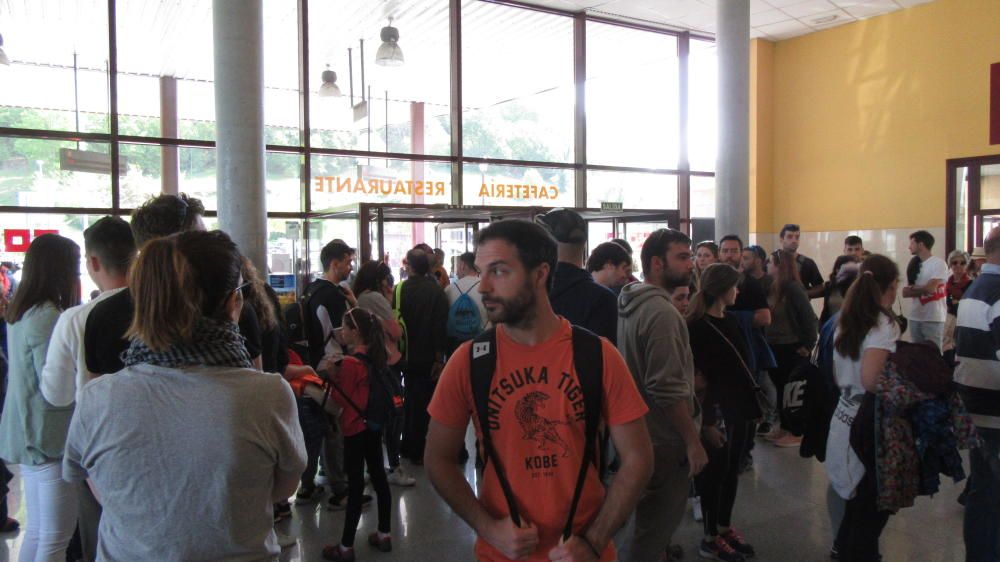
329, 89
3, 56
825, 19
389, 53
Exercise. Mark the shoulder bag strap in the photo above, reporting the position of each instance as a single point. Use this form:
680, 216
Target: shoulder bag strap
588, 361
483, 365
333, 385
746, 369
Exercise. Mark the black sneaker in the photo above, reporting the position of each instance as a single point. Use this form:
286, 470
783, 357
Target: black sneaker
719, 549
764, 429
309, 495
738, 543
338, 502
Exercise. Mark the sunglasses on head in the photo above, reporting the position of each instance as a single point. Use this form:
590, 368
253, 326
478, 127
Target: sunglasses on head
239, 288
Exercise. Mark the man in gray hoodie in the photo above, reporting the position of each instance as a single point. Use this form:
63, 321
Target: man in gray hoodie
653, 338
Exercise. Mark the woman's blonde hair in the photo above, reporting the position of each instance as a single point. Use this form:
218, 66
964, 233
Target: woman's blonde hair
178, 279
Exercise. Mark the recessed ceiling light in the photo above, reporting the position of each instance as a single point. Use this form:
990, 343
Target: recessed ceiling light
825, 19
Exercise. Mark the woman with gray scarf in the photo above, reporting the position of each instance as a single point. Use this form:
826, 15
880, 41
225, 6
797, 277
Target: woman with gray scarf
188, 446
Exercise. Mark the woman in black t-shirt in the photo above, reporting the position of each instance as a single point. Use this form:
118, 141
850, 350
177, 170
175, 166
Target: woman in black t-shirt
728, 407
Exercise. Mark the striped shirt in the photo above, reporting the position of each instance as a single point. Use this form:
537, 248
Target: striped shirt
977, 336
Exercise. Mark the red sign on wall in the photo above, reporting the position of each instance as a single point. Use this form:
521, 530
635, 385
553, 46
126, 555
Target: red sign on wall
18, 239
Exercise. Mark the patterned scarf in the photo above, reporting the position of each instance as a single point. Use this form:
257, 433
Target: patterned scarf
215, 343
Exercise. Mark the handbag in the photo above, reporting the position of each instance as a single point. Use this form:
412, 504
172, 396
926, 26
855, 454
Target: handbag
758, 393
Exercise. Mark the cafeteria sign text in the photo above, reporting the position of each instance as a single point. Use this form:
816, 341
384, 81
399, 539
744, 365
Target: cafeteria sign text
387, 187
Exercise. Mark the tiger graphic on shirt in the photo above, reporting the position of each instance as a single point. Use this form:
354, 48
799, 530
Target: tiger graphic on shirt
536, 427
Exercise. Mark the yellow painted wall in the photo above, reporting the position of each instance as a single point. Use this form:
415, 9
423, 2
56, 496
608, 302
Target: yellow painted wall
865, 115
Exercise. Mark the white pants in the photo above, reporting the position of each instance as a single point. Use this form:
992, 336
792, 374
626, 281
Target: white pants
51, 503
921, 330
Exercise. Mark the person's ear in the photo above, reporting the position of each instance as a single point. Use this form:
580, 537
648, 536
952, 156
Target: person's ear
542, 273
234, 306
95, 264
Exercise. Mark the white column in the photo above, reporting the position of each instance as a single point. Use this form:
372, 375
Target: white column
169, 161
239, 112
732, 173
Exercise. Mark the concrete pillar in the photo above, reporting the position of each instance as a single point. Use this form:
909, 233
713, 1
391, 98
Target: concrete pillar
732, 172
169, 162
238, 27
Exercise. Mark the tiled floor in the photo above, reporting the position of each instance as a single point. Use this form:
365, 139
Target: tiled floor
781, 509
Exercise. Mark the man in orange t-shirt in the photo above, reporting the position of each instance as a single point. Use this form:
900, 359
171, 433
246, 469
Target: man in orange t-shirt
539, 419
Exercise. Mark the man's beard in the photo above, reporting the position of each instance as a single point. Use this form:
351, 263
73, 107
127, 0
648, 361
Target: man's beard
670, 280
516, 312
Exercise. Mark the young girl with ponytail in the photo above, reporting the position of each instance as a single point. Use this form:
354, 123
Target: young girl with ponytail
866, 335
728, 408
349, 387
188, 446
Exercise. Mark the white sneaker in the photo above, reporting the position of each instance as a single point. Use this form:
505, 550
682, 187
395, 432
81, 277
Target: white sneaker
285, 540
400, 478
696, 507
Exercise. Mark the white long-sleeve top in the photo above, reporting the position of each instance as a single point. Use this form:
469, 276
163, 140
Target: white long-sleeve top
65, 370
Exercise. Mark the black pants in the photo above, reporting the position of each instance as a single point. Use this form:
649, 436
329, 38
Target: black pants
857, 538
314, 425
419, 390
717, 483
787, 359
362, 449
392, 433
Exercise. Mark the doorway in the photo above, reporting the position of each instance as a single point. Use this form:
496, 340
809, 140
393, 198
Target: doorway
973, 201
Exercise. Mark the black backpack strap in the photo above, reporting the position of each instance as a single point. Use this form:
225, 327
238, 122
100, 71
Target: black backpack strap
588, 361
483, 353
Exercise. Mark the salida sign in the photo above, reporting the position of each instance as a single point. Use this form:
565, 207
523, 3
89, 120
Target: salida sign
389, 187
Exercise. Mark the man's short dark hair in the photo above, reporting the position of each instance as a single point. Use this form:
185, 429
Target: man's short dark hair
469, 259
334, 250
608, 252
110, 240
165, 215
790, 227
424, 248
991, 245
732, 237
853, 240
624, 244
657, 245
923, 237
419, 261
533, 242
757, 251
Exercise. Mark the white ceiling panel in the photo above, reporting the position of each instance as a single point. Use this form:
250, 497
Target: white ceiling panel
808, 9
768, 17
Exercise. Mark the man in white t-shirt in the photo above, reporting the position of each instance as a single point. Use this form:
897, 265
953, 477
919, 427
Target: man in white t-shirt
928, 309
109, 248
467, 283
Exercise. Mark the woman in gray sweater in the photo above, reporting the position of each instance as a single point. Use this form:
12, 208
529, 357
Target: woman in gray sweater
792, 334
32, 431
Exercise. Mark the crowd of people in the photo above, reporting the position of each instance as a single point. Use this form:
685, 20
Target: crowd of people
176, 414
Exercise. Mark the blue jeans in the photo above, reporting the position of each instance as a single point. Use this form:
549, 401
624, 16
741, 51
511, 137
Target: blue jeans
982, 508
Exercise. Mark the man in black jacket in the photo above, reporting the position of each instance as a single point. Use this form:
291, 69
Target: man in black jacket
424, 309
574, 294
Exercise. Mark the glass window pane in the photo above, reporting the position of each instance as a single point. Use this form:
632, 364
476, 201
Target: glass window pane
37, 89
44, 173
517, 83
173, 41
632, 97
283, 181
19, 229
702, 106
633, 190
702, 197
397, 96
516, 186
962, 209
338, 181
197, 177
989, 187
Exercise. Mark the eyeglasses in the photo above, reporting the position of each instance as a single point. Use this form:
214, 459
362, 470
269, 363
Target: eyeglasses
239, 289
